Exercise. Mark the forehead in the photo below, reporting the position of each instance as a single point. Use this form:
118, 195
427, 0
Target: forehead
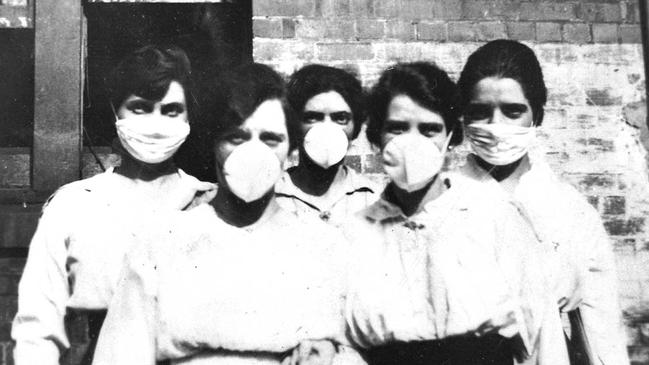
403, 108
269, 116
329, 101
501, 90
175, 94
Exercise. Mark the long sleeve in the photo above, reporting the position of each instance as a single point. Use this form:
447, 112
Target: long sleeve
599, 309
128, 333
38, 327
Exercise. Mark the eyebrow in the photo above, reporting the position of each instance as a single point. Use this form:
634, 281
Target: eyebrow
274, 135
171, 106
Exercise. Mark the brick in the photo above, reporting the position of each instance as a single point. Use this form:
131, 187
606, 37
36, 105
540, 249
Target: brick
614, 205
339, 29
546, 11
9, 284
461, 32
432, 31
624, 227
310, 28
602, 13
597, 144
491, 10
387, 8
14, 2
403, 52
630, 12
602, 97
362, 8
289, 8
576, 33
5, 332
548, 32
272, 50
416, 9
605, 33
354, 162
373, 164
288, 28
332, 8
344, 51
522, 31
487, 31
267, 28
599, 181
370, 29
399, 29
630, 34
447, 9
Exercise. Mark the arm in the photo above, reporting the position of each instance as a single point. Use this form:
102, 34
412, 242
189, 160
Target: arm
43, 292
599, 309
128, 333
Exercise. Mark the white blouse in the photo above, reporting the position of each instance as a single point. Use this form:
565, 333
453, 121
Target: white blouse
583, 257
75, 258
464, 260
200, 291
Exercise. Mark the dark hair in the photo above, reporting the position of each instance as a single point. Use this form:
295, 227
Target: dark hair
312, 80
426, 84
225, 100
230, 99
506, 59
147, 72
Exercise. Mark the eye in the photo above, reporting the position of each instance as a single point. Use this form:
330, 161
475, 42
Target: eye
237, 137
272, 139
513, 111
430, 129
310, 117
173, 109
342, 118
139, 107
478, 111
396, 127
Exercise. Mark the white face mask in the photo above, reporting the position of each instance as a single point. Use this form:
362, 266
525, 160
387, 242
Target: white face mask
326, 144
499, 144
152, 139
251, 170
412, 160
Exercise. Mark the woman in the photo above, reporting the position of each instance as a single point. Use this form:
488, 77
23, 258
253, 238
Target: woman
503, 94
80, 241
329, 102
438, 276
238, 280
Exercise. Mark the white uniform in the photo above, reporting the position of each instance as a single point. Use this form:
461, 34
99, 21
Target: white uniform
446, 271
200, 291
74, 260
357, 193
564, 221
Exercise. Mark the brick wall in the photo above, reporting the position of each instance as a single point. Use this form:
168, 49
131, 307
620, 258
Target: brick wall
595, 127
594, 132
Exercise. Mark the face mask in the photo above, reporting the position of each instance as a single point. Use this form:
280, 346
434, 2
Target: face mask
499, 144
151, 139
251, 170
412, 161
326, 144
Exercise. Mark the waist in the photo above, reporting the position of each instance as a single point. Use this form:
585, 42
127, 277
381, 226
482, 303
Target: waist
458, 350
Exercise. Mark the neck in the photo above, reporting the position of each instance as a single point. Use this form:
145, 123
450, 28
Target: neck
313, 179
413, 202
512, 171
238, 213
138, 170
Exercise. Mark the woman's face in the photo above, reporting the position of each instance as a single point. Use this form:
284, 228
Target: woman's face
499, 100
405, 116
267, 124
327, 107
172, 105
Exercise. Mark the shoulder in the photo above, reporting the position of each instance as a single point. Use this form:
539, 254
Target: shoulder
78, 192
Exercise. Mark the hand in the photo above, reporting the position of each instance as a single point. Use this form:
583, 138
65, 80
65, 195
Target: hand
312, 352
